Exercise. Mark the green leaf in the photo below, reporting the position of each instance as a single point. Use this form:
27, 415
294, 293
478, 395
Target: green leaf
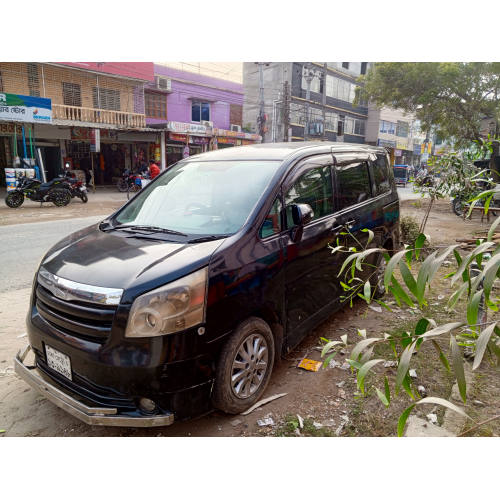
457, 256
343, 338
406, 384
361, 346
382, 397
364, 370
336, 249
443, 402
458, 368
442, 357
419, 243
481, 344
423, 274
346, 263
473, 308
403, 365
491, 232
371, 235
329, 345
468, 259
408, 278
387, 390
456, 295
403, 418
391, 265
367, 292
328, 359
436, 332
398, 291
367, 354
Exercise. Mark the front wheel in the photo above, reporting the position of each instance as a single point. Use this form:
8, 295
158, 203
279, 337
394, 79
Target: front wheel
244, 367
84, 197
458, 206
14, 199
60, 197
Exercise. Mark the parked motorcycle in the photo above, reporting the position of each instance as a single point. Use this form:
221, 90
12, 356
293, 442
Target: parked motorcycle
55, 191
76, 188
460, 202
129, 182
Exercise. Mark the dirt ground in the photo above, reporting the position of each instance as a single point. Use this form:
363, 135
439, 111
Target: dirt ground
324, 399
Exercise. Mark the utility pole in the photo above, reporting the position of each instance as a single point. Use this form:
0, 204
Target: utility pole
261, 119
309, 77
286, 111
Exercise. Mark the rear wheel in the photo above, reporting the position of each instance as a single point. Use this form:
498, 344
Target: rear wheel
14, 199
244, 367
122, 185
60, 197
458, 206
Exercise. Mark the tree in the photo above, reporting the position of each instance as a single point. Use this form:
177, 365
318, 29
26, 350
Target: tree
452, 98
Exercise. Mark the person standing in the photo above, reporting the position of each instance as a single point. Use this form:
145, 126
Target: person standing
185, 151
154, 170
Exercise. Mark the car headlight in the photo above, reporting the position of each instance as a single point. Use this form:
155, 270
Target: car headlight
170, 308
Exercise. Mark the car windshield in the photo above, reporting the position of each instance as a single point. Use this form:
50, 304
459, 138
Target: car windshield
201, 197
400, 172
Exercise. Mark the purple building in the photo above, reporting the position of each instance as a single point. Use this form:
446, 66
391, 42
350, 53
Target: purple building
194, 109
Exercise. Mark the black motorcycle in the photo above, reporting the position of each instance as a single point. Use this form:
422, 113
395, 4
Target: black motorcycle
55, 191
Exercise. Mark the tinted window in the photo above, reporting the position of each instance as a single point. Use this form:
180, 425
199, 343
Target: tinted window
272, 223
314, 187
381, 173
353, 184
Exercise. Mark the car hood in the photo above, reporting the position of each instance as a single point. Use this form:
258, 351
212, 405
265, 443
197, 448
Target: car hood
119, 260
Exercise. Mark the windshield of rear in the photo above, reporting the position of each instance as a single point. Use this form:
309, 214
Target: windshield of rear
201, 197
400, 172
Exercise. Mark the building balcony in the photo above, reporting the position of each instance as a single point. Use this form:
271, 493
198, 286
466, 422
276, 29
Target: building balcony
117, 119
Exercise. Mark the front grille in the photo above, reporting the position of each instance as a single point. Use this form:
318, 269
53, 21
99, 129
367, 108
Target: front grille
81, 319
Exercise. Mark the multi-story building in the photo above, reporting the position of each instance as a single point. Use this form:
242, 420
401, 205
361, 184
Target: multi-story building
320, 103
195, 110
399, 132
84, 101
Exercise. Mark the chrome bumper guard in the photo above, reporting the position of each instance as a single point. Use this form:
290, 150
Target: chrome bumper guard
89, 415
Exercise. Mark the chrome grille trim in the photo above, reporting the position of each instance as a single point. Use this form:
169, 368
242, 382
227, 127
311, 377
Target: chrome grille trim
69, 290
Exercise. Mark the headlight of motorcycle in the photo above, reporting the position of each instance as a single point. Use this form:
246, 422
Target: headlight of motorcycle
170, 308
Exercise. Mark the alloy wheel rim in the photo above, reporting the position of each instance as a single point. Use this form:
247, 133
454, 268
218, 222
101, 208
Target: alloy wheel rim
249, 366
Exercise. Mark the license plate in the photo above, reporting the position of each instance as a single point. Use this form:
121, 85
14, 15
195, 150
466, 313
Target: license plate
58, 361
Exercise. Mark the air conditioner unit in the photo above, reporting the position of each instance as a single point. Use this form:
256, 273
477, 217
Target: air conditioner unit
163, 83
207, 123
235, 128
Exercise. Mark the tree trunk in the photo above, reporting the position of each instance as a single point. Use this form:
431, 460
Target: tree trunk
495, 161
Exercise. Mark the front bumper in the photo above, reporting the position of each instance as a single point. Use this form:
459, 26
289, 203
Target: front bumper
89, 415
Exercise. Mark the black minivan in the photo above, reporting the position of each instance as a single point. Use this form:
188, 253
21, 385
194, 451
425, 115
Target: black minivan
183, 299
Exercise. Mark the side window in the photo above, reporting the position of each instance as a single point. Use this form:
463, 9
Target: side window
314, 187
353, 183
272, 223
381, 174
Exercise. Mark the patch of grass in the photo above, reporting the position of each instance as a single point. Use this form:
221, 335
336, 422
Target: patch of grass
287, 429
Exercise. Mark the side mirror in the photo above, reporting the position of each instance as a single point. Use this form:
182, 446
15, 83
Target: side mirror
302, 213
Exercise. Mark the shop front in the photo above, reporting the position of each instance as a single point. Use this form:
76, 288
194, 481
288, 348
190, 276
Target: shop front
230, 138
195, 137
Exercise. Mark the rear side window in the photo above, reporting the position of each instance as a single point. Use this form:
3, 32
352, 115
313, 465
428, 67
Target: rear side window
272, 223
381, 173
314, 187
353, 183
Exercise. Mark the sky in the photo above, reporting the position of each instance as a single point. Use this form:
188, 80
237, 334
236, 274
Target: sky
232, 71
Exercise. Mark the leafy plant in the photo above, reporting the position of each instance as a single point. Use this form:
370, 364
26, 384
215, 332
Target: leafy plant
473, 278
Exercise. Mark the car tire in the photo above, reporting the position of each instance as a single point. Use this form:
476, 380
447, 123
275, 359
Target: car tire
377, 280
239, 382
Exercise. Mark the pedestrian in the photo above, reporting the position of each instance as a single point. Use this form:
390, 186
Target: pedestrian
154, 170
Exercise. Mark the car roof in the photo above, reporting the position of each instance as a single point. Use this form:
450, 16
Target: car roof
282, 150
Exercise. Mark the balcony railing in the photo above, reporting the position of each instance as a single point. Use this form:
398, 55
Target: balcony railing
103, 116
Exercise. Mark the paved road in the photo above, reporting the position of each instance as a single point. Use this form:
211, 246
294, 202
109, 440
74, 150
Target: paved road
23, 245
406, 193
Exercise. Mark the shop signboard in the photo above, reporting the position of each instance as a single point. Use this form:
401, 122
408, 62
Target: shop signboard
177, 137
398, 152
189, 128
8, 128
95, 140
85, 134
198, 140
240, 135
416, 149
389, 144
402, 145
25, 108
226, 140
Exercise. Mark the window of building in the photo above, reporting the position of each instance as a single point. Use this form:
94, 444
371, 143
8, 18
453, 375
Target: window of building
297, 114
314, 187
33, 80
364, 66
156, 105
359, 127
106, 98
345, 65
402, 129
340, 89
200, 111
331, 121
71, 94
272, 223
381, 174
353, 183
354, 126
387, 127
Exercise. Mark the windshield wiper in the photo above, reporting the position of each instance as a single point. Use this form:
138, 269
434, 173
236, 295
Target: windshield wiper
152, 229
211, 237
